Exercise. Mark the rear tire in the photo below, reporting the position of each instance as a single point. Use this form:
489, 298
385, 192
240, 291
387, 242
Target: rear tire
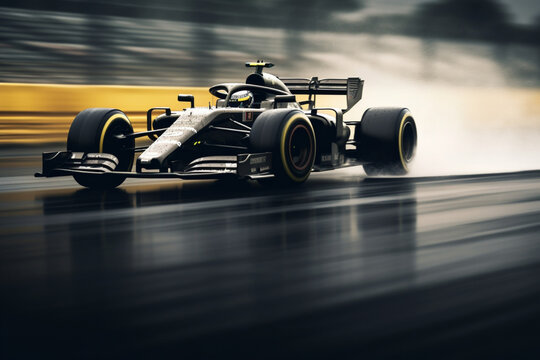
386, 140
93, 131
289, 135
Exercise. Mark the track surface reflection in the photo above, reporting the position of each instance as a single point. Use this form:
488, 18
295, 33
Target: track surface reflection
341, 267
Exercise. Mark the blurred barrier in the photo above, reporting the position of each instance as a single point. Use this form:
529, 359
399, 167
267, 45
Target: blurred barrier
42, 113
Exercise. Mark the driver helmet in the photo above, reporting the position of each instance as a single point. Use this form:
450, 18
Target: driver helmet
241, 99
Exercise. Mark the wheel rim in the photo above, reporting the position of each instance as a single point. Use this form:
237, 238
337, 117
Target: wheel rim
120, 148
300, 147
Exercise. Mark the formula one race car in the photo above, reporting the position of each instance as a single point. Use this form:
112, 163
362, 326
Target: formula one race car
256, 130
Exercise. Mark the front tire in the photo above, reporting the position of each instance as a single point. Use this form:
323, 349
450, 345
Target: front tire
386, 141
289, 135
94, 131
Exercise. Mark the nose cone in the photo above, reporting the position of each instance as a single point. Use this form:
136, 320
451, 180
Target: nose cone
188, 124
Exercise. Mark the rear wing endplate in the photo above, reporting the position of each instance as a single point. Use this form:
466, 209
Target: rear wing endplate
351, 87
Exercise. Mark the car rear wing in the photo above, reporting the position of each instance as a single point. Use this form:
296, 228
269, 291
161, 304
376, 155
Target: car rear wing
351, 87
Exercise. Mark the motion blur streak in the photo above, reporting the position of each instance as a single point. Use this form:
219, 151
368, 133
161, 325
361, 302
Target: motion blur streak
42, 113
341, 266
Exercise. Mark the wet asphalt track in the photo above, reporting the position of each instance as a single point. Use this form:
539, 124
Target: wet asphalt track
341, 267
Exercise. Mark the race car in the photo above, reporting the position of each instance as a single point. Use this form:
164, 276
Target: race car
255, 130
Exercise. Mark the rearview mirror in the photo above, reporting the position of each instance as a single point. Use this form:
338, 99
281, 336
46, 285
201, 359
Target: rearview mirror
190, 98
284, 99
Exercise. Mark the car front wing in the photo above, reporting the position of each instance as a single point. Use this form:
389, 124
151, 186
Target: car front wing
250, 165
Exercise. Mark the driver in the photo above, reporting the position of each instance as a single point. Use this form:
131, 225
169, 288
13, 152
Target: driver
241, 99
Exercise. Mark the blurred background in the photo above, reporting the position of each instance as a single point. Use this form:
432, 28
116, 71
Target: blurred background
186, 43
469, 70
445, 267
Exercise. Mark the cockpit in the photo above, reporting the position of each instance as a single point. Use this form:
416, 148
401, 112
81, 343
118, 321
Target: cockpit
259, 91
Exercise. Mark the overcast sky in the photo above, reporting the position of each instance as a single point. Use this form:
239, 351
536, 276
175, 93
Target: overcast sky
522, 11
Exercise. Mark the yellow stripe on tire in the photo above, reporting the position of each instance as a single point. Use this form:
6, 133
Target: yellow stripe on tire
282, 146
106, 126
401, 126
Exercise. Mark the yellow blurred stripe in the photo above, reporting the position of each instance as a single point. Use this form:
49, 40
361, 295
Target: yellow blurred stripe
74, 98
41, 113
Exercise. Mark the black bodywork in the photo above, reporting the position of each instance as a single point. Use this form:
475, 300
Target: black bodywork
213, 142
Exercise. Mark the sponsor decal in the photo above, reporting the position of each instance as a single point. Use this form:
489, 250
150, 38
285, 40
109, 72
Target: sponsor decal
175, 133
248, 116
257, 170
170, 142
257, 160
